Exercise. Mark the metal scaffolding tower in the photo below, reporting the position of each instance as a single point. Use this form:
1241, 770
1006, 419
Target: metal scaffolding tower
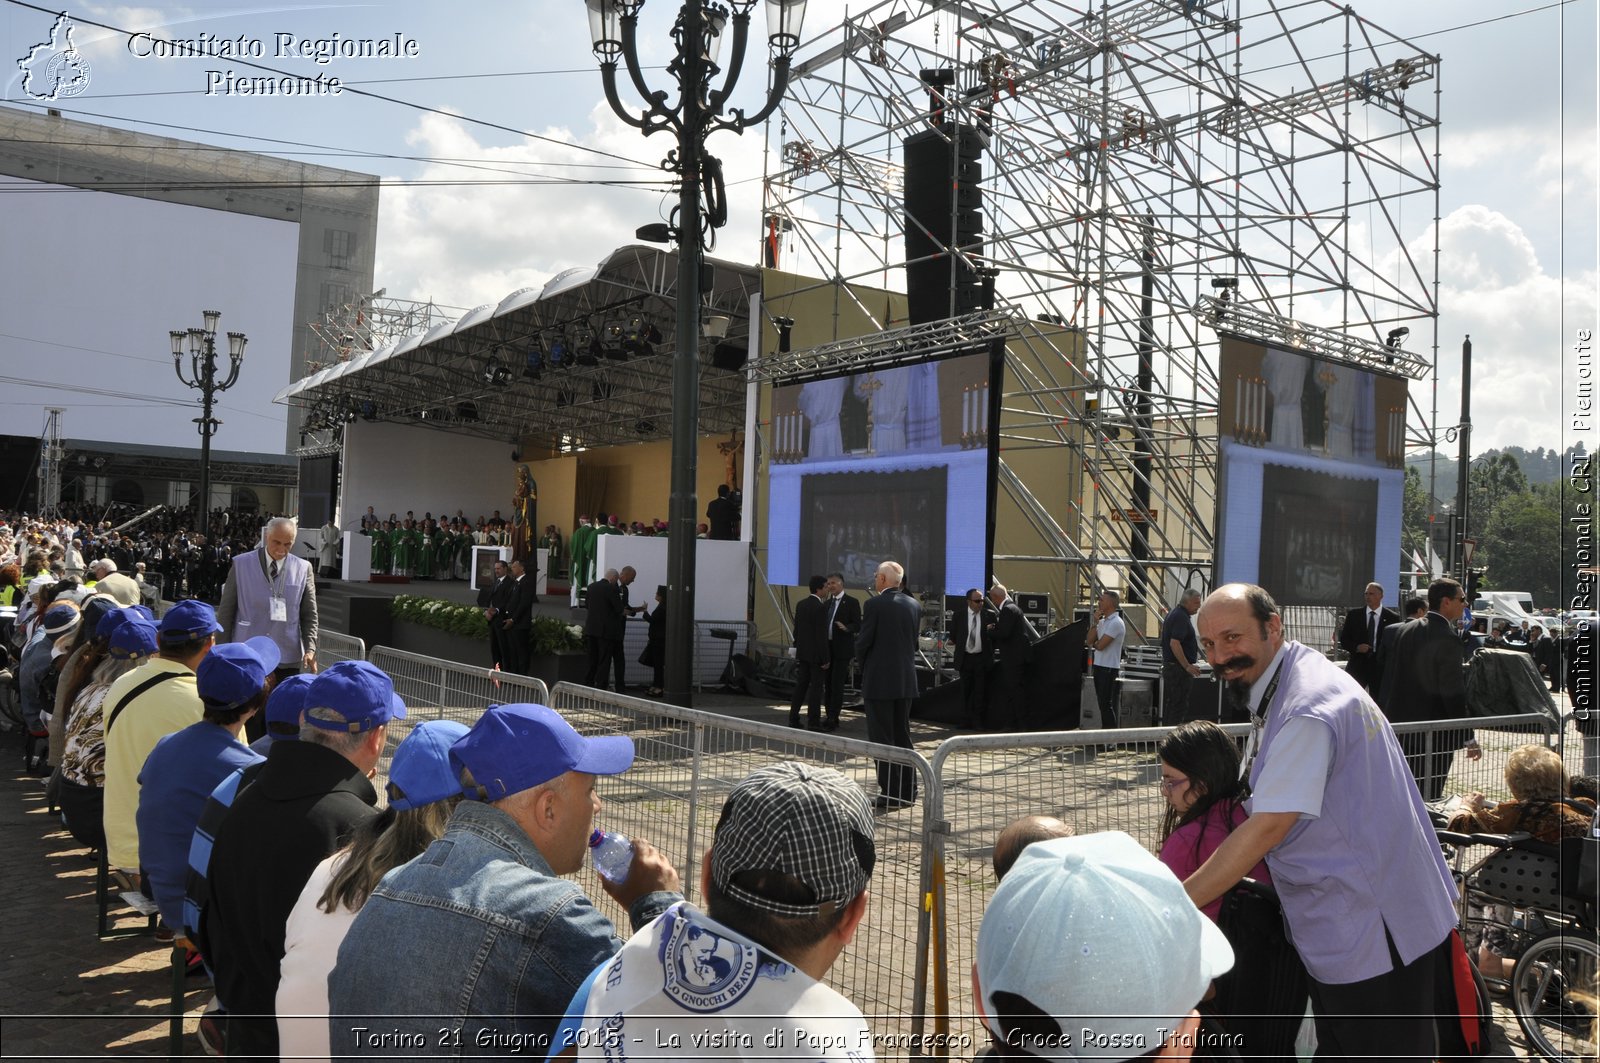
52, 455
1136, 152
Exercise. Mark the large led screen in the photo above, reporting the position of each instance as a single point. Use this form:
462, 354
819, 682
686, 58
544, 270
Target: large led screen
1312, 474
92, 283
883, 464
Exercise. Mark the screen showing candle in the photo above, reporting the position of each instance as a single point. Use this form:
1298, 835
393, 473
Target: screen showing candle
1312, 473
882, 465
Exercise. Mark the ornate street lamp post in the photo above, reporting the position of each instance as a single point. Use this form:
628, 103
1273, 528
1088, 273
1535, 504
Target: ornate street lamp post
200, 344
699, 111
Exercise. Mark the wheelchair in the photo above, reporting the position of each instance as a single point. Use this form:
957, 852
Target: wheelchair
1551, 932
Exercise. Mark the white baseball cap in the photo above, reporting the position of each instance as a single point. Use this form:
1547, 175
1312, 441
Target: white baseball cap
1100, 935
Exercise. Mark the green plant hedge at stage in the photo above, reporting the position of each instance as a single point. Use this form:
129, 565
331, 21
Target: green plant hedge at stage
549, 635
464, 620
555, 636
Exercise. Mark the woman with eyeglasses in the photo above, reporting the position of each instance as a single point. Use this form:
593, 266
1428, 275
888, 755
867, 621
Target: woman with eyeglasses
1200, 780
1262, 1001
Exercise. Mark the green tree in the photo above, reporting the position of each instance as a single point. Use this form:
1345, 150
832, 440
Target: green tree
1521, 545
1493, 480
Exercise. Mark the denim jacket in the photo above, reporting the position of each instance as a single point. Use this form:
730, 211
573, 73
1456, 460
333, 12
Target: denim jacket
473, 948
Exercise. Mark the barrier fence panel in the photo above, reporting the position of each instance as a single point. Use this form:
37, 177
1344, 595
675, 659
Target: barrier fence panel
1434, 749
1092, 780
435, 689
1097, 781
686, 761
712, 646
334, 646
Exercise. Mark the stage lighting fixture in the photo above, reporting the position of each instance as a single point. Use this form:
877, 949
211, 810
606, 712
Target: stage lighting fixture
1227, 286
495, 373
785, 327
656, 233
533, 361
633, 334
715, 327
1397, 337
556, 351
613, 341
585, 346
369, 410
645, 427
467, 411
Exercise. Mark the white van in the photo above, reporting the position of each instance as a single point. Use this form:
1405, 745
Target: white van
1515, 606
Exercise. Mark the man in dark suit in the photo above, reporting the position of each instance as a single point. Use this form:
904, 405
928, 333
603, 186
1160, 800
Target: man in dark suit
625, 577
1414, 608
1360, 635
721, 514
972, 641
811, 657
844, 622
1010, 633
516, 625
493, 598
888, 646
1423, 680
1546, 651
602, 627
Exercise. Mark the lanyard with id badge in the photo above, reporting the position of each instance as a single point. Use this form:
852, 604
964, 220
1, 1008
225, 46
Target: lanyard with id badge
278, 609
1258, 724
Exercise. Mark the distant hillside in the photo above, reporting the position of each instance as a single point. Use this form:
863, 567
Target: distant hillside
1540, 466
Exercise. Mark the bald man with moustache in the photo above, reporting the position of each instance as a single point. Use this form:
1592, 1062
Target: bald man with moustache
1335, 813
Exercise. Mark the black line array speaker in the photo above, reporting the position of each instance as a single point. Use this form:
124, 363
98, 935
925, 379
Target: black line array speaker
729, 356
944, 208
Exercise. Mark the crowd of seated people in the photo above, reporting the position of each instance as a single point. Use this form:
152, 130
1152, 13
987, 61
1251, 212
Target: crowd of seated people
165, 550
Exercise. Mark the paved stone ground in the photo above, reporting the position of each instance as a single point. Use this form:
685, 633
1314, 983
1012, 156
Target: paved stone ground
67, 993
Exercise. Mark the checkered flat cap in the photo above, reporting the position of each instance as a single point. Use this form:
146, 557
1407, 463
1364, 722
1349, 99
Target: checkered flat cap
811, 823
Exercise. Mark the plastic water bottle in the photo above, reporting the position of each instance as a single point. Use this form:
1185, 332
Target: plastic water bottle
612, 855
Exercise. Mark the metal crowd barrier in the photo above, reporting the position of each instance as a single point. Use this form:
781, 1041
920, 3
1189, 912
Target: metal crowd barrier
435, 689
687, 760
1092, 780
335, 646
1096, 781
1435, 748
711, 650
907, 969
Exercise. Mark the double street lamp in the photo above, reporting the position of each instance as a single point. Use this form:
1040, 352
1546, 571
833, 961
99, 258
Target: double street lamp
200, 344
699, 111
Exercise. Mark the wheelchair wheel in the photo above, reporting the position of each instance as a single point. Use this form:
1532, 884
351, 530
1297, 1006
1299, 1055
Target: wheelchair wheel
1553, 992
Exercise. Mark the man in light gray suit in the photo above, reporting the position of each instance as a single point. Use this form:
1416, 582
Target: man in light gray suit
887, 647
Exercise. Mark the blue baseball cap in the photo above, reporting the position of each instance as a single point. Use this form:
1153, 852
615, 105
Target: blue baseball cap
59, 619
284, 707
112, 620
420, 772
352, 696
186, 621
134, 637
234, 672
517, 747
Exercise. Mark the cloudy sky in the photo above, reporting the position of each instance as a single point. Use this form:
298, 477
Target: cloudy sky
481, 133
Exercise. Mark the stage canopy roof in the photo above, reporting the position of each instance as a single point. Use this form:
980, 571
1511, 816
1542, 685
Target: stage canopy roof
585, 361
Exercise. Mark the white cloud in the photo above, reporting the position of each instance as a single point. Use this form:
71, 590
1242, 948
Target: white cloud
478, 240
1494, 288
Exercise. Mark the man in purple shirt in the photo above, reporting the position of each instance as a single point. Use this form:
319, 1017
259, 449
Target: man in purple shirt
1335, 813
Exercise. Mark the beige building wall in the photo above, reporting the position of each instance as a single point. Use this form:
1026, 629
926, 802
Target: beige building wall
638, 481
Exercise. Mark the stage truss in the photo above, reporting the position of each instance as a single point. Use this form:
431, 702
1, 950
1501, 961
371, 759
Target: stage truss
1137, 152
